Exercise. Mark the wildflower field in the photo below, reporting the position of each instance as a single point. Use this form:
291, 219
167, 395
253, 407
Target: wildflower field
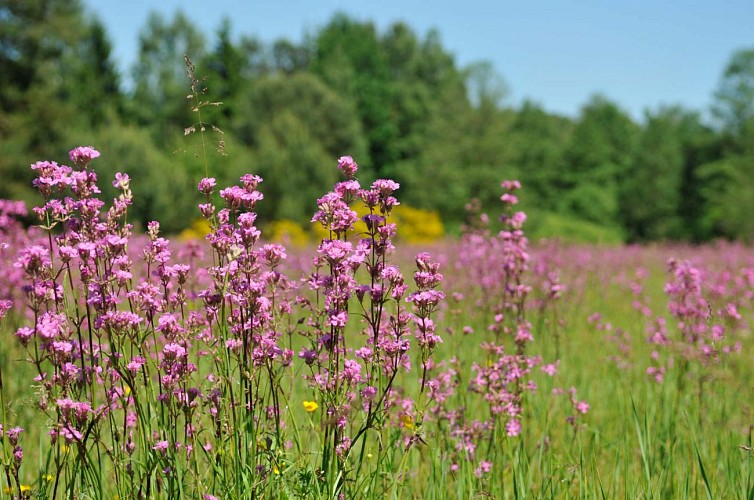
140, 366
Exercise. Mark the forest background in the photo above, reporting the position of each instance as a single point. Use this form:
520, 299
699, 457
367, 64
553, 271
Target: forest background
395, 100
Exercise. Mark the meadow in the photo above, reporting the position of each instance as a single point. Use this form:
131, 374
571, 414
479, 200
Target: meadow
143, 366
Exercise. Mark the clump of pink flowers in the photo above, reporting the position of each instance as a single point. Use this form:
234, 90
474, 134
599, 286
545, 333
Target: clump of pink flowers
499, 266
180, 366
699, 333
13, 237
355, 356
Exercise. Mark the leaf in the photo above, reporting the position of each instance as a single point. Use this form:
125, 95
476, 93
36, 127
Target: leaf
703, 471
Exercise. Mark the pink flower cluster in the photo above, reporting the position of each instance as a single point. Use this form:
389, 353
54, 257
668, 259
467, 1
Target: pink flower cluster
702, 329
190, 363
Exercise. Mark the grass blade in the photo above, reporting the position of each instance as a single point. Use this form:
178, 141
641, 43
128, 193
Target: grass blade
643, 446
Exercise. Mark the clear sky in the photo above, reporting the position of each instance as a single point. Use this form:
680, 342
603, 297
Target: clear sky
640, 53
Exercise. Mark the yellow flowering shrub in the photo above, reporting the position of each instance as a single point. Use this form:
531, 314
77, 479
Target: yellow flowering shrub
196, 231
415, 225
286, 231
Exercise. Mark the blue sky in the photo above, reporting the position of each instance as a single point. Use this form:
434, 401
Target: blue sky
640, 53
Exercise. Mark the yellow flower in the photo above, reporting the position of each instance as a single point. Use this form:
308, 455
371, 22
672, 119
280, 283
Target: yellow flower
310, 406
407, 421
275, 470
48, 477
25, 488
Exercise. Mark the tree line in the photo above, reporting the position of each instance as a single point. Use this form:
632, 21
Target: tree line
395, 100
